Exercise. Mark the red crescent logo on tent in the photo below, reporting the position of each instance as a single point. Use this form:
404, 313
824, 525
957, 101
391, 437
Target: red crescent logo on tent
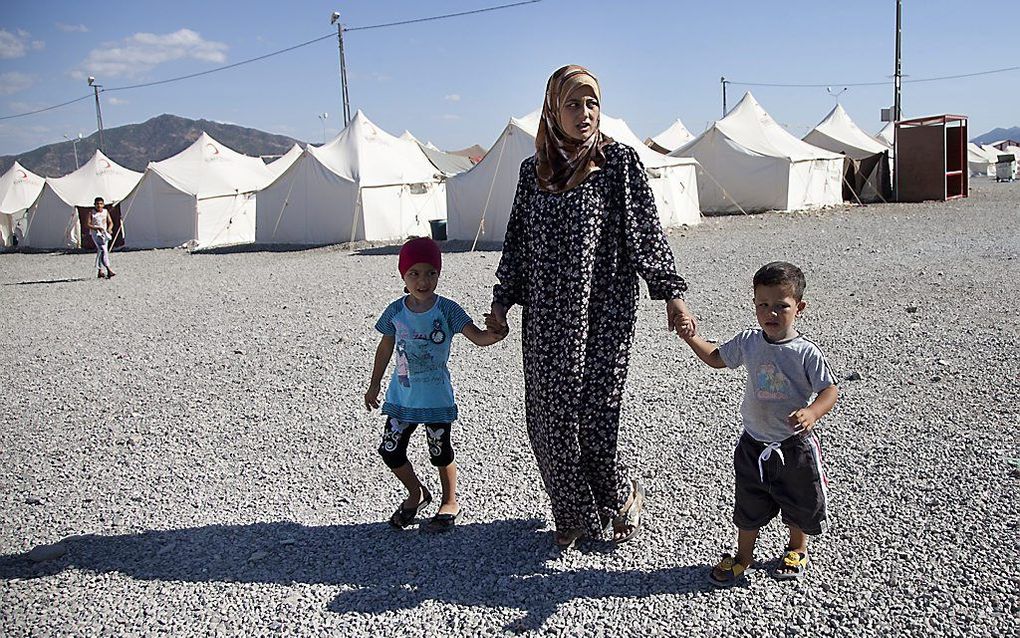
22, 175
104, 164
215, 151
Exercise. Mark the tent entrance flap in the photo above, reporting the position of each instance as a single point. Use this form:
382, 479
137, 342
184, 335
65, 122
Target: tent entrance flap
84, 212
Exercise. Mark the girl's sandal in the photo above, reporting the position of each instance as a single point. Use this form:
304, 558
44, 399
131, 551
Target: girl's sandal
792, 566
727, 572
404, 517
628, 522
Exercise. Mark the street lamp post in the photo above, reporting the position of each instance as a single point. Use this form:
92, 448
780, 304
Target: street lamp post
99, 112
74, 145
323, 116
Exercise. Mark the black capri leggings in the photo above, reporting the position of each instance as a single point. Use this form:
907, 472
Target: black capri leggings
396, 435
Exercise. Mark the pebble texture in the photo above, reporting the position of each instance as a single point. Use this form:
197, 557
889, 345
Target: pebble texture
184, 449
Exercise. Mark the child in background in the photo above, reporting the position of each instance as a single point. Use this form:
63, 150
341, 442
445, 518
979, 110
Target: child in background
777, 461
420, 326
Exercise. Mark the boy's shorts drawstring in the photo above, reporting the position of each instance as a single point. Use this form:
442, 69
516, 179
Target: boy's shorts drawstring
766, 454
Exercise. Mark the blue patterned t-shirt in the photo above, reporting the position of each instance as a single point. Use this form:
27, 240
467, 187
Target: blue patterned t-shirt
420, 390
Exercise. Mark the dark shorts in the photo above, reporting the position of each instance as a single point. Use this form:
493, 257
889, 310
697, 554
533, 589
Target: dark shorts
789, 480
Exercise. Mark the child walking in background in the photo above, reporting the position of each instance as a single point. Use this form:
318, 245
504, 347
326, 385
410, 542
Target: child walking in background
777, 461
420, 327
100, 226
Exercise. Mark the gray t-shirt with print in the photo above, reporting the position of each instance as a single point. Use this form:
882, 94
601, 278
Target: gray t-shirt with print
781, 378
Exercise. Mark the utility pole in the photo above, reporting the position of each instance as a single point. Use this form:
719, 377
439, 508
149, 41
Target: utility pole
898, 77
345, 99
722, 80
99, 112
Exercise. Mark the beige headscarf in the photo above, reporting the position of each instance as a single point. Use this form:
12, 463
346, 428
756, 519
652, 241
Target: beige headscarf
563, 162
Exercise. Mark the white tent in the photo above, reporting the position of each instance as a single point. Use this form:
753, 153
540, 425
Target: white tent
753, 163
838, 133
448, 163
202, 197
866, 173
53, 221
19, 190
488, 189
885, 136
671, 139
365, 184
980, 160
280, 165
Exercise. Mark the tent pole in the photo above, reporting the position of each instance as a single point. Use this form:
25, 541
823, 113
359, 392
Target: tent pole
286, 201
722, 81
357, 208
735, 202
485, 209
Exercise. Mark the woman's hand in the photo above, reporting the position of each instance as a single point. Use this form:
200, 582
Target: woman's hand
496, 321
679, 319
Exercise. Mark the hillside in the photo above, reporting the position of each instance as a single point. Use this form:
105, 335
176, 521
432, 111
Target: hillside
997, 134
135, 145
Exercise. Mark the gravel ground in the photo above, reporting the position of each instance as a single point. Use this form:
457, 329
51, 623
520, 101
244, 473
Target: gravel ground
192, 434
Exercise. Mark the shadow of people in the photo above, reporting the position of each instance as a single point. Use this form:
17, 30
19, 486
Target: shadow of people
499, 564
47, 281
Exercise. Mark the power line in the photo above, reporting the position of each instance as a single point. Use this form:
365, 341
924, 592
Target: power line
221, 68
269, 55
883, 83
442, 17
48, 108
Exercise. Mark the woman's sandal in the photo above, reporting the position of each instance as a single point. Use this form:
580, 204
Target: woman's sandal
568, 538
792, 566
727, 572
442, 523
404, 517
631, 517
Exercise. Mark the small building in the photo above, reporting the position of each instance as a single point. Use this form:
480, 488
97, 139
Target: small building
931, 158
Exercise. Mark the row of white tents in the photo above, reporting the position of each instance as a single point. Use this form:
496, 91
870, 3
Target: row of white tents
367, 184
982, 159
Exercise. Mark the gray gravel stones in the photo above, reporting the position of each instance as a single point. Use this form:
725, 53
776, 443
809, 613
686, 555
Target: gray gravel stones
191, 437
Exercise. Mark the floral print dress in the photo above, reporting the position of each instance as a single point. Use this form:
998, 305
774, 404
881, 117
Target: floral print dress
572, 261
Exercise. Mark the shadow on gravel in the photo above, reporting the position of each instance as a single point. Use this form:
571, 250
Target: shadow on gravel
47, 281
451, 246
501, 564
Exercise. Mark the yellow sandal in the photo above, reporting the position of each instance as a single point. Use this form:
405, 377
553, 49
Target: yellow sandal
732, 571
792, 566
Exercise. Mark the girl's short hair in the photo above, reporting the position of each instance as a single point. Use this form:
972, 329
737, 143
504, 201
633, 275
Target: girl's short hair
782, 273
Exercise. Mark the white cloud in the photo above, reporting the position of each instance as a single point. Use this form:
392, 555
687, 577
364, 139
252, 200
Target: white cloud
14, 45
141, 52
72, 28
14, 82
115, 101
453, 97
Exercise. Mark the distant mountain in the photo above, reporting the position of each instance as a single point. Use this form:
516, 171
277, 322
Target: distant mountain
135, 145
997, 134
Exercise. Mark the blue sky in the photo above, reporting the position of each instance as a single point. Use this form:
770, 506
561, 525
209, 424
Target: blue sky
455, 82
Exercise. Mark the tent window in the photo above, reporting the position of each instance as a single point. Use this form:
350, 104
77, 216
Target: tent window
419, 189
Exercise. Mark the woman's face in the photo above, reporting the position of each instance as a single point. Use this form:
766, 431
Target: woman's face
579, 114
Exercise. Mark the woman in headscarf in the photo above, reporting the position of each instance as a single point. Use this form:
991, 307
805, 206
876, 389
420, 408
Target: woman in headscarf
583, 226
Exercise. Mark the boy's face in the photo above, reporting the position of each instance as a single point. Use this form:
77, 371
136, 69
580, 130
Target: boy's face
421, 281
776, 310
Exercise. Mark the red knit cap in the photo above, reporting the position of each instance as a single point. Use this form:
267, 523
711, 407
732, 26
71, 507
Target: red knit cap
420, 250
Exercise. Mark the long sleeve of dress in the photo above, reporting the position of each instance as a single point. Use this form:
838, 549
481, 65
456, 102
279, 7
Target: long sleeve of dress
645, 240
512, 270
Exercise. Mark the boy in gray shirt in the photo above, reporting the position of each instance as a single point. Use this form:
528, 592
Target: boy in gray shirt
777, 461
